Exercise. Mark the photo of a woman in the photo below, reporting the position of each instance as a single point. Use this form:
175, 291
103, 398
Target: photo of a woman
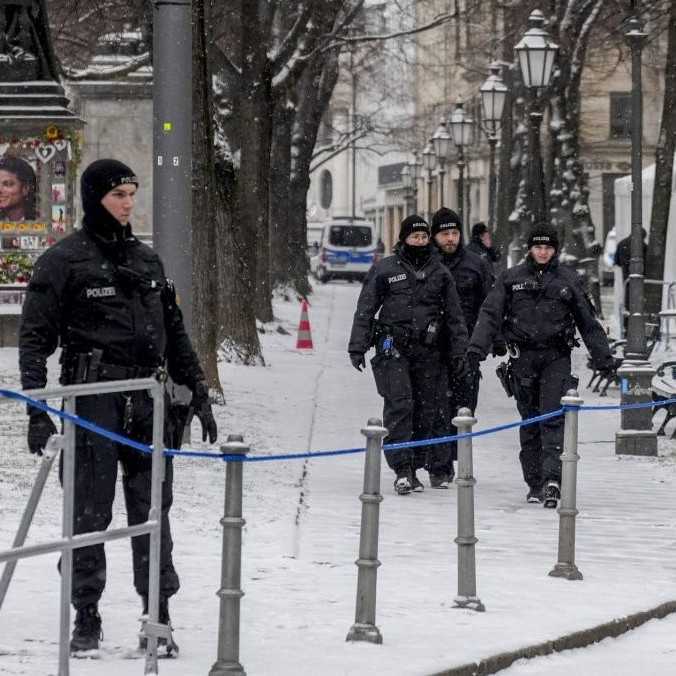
17, 190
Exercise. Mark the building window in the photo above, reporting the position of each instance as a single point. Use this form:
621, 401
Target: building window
325, 189
620, 115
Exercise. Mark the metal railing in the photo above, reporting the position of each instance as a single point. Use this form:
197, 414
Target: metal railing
151, 628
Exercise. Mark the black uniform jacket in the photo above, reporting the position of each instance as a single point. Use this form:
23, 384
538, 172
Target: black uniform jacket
539, 308
477, 246
80, 299
473, 280
410, 300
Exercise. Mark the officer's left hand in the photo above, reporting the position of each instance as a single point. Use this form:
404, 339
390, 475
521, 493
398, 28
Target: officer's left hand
201, 404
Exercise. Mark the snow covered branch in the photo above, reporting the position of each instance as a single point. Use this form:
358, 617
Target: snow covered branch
133, 64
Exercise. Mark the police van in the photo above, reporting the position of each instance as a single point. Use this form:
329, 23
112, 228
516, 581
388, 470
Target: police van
347, 250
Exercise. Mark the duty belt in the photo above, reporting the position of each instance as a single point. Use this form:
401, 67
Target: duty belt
87, 367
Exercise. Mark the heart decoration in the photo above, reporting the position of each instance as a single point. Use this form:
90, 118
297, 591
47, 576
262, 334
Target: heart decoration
60, 144
44, 152
3, 148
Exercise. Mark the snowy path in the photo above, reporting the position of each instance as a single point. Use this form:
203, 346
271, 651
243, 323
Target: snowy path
302, 533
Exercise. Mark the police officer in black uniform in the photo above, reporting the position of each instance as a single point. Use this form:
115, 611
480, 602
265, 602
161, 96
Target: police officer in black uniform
473, 280
538, 305
419, 319
103, 297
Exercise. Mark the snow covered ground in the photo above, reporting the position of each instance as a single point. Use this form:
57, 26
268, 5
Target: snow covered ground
302, 534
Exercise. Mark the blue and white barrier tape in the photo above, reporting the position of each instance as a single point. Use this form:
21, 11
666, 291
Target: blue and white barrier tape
144, 448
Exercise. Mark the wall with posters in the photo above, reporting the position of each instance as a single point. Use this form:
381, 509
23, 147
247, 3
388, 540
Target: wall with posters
37, 171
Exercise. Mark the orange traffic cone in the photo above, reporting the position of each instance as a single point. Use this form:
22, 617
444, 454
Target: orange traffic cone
304, 341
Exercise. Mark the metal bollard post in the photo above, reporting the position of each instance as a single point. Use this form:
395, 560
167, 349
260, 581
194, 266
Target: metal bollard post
568, 509
231, 564
364, 627
68, 474
466, 539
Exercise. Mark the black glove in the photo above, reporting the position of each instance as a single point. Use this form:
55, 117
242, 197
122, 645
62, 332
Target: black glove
473, 359
458, 367
40, 428
609, 368
358, 361
499, 348
201, 404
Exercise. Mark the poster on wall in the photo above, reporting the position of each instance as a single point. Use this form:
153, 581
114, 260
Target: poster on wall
18, 190
36, 174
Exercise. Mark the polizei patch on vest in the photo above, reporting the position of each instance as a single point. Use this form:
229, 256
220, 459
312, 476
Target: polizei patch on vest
519, 287
397, 278
101, 292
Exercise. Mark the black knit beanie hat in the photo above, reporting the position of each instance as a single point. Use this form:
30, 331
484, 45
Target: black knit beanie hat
444, 219
411, 224
543, 234
479, 229
99, 178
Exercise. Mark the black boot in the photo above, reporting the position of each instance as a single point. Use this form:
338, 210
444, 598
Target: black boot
168, 647
87, 631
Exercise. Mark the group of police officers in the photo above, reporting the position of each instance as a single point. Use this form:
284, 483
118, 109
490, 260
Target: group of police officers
433, 311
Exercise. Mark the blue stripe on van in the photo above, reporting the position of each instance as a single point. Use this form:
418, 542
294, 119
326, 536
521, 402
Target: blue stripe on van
345, 257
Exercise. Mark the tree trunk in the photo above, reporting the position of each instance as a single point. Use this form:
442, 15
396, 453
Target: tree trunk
237, 324
254, 138
203, 212
280, 179
664, 167
317, 84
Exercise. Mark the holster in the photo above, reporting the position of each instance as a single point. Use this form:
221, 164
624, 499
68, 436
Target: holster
400, 335
178, 416
505, 376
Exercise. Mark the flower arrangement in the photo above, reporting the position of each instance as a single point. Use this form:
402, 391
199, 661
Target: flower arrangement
15, 268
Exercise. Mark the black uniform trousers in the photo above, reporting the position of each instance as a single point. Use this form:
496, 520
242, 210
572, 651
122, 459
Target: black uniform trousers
413, 385
462, 392
96, 461
541, 378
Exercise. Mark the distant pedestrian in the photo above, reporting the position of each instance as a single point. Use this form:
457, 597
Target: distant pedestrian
623, 261
481, 243
409, 311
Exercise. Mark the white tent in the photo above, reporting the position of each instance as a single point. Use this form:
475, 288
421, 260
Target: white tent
623, 223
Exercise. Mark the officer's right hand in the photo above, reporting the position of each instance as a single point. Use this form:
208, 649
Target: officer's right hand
40, 428
358, 360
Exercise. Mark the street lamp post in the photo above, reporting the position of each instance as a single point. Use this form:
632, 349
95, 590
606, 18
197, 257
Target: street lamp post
429, 160
536, 53
415, 166
406, 182
462, 128
493, 94
636, 436
441, 141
